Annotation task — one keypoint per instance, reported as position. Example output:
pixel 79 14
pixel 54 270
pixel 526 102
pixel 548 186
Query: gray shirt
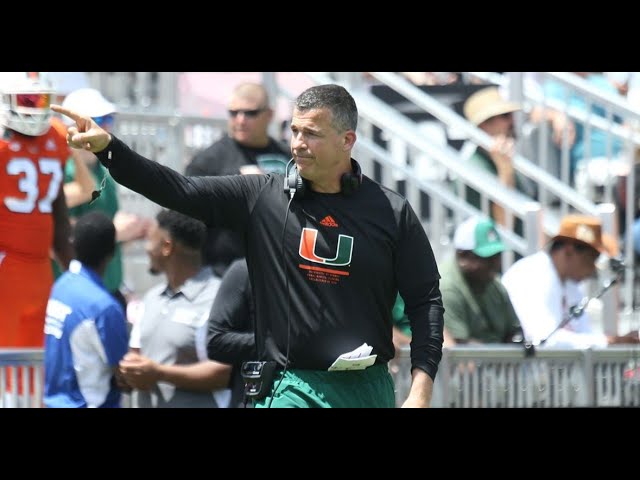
pixel 172 331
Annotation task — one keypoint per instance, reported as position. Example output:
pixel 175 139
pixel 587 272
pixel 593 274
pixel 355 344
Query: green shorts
pixel 368 388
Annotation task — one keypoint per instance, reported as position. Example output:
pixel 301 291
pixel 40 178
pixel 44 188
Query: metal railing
pixel 21 378
pixel 503 376
pixel 154 91
pixel 489 376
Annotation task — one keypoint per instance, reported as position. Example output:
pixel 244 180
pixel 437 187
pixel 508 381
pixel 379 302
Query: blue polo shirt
pixel 85 338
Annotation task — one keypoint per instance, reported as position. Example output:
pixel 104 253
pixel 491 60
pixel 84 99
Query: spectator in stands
pixel 561 125
pixel 246 148
pixel 85 330
pixel 477 308
pixel 167 361
pixel 595 151
pixel 544 286
pixel 487 110
pixel 128 226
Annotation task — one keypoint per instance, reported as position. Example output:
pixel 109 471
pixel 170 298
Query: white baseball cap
pixel 88 101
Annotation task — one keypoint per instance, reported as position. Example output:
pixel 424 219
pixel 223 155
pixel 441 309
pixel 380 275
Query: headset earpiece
pixel 293 183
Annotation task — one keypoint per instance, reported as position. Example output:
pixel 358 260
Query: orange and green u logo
pixel 308 247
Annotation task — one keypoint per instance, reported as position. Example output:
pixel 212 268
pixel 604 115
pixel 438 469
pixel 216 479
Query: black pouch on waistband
pixel 257 377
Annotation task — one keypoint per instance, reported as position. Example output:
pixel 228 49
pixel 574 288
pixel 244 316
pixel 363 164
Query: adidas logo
pixel 328 221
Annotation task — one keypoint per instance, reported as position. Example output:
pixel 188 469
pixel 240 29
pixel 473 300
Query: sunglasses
pixel 104 121
pixel 247 113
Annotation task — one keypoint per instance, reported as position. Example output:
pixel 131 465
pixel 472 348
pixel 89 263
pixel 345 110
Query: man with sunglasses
pixel 245 148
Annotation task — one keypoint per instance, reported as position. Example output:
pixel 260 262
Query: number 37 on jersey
pixel 38 183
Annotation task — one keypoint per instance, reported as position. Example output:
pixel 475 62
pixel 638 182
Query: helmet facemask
pixel 26 108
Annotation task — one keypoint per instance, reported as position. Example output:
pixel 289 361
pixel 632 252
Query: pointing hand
pixel 85 134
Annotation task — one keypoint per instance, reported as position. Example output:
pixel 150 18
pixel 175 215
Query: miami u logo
pixel 308 249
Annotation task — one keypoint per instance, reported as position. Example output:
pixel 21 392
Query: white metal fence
pixel 495 376
pixel 505 376
pixel 21 378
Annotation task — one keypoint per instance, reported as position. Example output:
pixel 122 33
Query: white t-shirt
pixel 541 301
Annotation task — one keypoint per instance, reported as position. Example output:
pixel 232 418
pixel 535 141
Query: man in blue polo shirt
pixel 85 328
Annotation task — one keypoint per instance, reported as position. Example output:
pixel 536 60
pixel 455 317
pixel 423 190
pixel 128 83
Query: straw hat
pixel 485 104
pixel 587 230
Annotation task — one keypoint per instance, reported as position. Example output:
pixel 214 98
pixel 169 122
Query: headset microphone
pixel 616 264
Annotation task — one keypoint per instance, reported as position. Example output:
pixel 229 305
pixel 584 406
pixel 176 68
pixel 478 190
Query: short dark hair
pixel 183 229
pixel 335 98
pixel 94 238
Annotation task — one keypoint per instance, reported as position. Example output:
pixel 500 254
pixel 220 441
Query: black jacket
pixel 325 281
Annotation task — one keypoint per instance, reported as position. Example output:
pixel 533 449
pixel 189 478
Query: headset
pixel 296 186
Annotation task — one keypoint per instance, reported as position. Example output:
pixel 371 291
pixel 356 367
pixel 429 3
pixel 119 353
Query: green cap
pixel 480 236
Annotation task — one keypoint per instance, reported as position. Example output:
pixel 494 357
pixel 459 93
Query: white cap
pixel 89 101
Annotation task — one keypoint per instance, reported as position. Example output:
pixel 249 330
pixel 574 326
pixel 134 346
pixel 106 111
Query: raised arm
pixel 219 201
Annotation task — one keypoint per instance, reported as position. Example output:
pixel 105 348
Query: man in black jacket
pixel 232 325
pixel 326 256
pixel 246 148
